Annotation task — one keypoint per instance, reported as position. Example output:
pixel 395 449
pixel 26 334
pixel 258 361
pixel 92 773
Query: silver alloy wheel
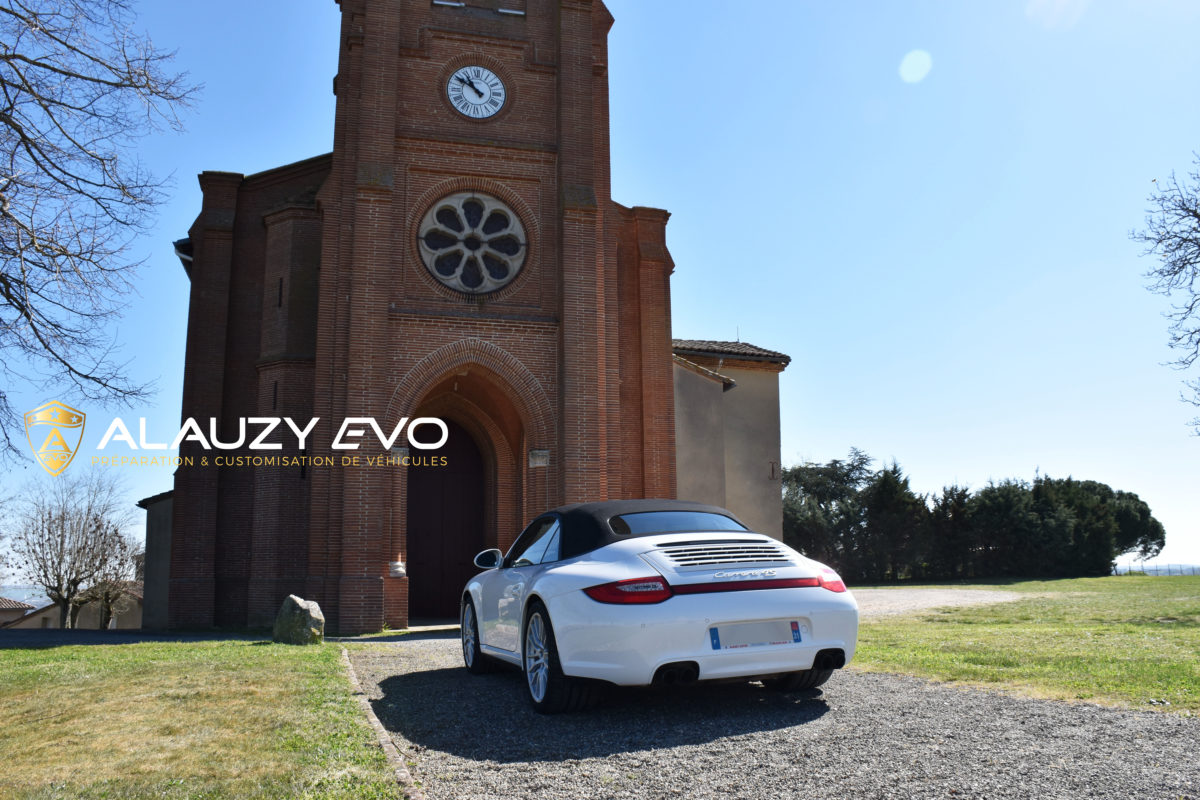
pixel 537 658
pixel 468 634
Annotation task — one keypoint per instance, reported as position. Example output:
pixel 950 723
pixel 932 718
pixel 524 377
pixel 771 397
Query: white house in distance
pixel 11 610
pixel 89 616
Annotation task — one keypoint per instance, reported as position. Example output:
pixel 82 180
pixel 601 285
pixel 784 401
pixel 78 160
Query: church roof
pixel 146 502
pixel 738 350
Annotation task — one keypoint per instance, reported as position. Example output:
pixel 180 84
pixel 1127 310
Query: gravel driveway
pixel 886 602
pixel 864 735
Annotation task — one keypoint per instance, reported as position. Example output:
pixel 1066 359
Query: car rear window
pixel 671 522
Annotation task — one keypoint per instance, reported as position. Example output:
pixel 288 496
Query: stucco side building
pixel 127 614
pixel 727 429
pixel 458 255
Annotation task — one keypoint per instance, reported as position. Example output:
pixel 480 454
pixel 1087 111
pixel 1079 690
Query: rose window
pixel 472 242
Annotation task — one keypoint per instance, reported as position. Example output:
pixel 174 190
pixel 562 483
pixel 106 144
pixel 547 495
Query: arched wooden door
pixel 445 526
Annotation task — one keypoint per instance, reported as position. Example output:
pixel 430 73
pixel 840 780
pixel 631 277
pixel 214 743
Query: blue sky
pixel 947 260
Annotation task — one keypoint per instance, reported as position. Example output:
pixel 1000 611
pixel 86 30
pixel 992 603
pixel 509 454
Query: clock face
pixel 476 92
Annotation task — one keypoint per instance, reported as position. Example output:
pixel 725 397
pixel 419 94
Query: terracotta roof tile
pixel 742 350
pixel 10 605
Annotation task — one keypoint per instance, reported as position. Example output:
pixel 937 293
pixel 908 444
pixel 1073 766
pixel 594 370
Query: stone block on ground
pixel 299 621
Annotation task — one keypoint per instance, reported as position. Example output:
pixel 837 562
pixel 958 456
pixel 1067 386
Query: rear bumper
pixel 626 645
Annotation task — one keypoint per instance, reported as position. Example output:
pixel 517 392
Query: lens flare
pixel 915 66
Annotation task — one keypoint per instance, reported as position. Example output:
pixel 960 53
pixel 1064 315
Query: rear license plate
pixel 754 634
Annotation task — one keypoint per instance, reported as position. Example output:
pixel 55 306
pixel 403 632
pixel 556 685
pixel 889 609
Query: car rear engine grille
pixel 699 555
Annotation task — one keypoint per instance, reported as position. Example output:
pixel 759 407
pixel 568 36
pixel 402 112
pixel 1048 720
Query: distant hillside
pixel 1159 569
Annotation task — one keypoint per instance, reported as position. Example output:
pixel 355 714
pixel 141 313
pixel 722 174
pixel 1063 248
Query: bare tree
pixel 78 88
pixel 1172 234
pixel 114 580
pixel 3 549
pixel 6 563
pixel 67 536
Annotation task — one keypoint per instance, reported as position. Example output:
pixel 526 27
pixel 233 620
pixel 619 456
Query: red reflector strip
pixel 742 586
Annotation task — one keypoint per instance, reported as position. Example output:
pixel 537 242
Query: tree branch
pixel 78 89
pixel 1172 236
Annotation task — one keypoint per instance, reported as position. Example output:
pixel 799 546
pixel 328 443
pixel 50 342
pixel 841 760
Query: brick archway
pixel 515 387
pixel 491 396
pixel 517 381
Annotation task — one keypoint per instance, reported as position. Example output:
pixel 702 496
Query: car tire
pixel 549 690
pixel 474 659
pixel 799 681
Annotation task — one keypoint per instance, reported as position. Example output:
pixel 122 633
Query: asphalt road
pixel 864 735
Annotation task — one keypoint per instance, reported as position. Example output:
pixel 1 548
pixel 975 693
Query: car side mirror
pixel 489 559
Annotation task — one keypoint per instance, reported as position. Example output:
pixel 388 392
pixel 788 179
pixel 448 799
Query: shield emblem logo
pixel 54 431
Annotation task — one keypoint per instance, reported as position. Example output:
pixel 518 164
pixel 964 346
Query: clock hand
pixel 471 83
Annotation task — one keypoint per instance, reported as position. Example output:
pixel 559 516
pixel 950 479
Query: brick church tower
pixel 457 255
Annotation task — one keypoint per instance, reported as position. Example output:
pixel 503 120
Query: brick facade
pixel 309 299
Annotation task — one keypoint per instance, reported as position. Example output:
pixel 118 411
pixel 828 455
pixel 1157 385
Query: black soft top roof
pixel 585 526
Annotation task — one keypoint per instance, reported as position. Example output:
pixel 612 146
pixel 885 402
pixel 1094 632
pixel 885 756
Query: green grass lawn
pixel 241 719
pixel 1129 641
pixel 230 719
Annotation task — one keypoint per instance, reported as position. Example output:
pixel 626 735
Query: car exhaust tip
pixel 830 659
pixel 677 673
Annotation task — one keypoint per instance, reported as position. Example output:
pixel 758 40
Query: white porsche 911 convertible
pixel 639 592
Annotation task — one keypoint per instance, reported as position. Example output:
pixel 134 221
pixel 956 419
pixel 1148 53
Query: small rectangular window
pixel 552 548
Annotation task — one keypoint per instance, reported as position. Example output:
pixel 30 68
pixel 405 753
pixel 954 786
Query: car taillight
pixel 633 590
pixel 830 580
